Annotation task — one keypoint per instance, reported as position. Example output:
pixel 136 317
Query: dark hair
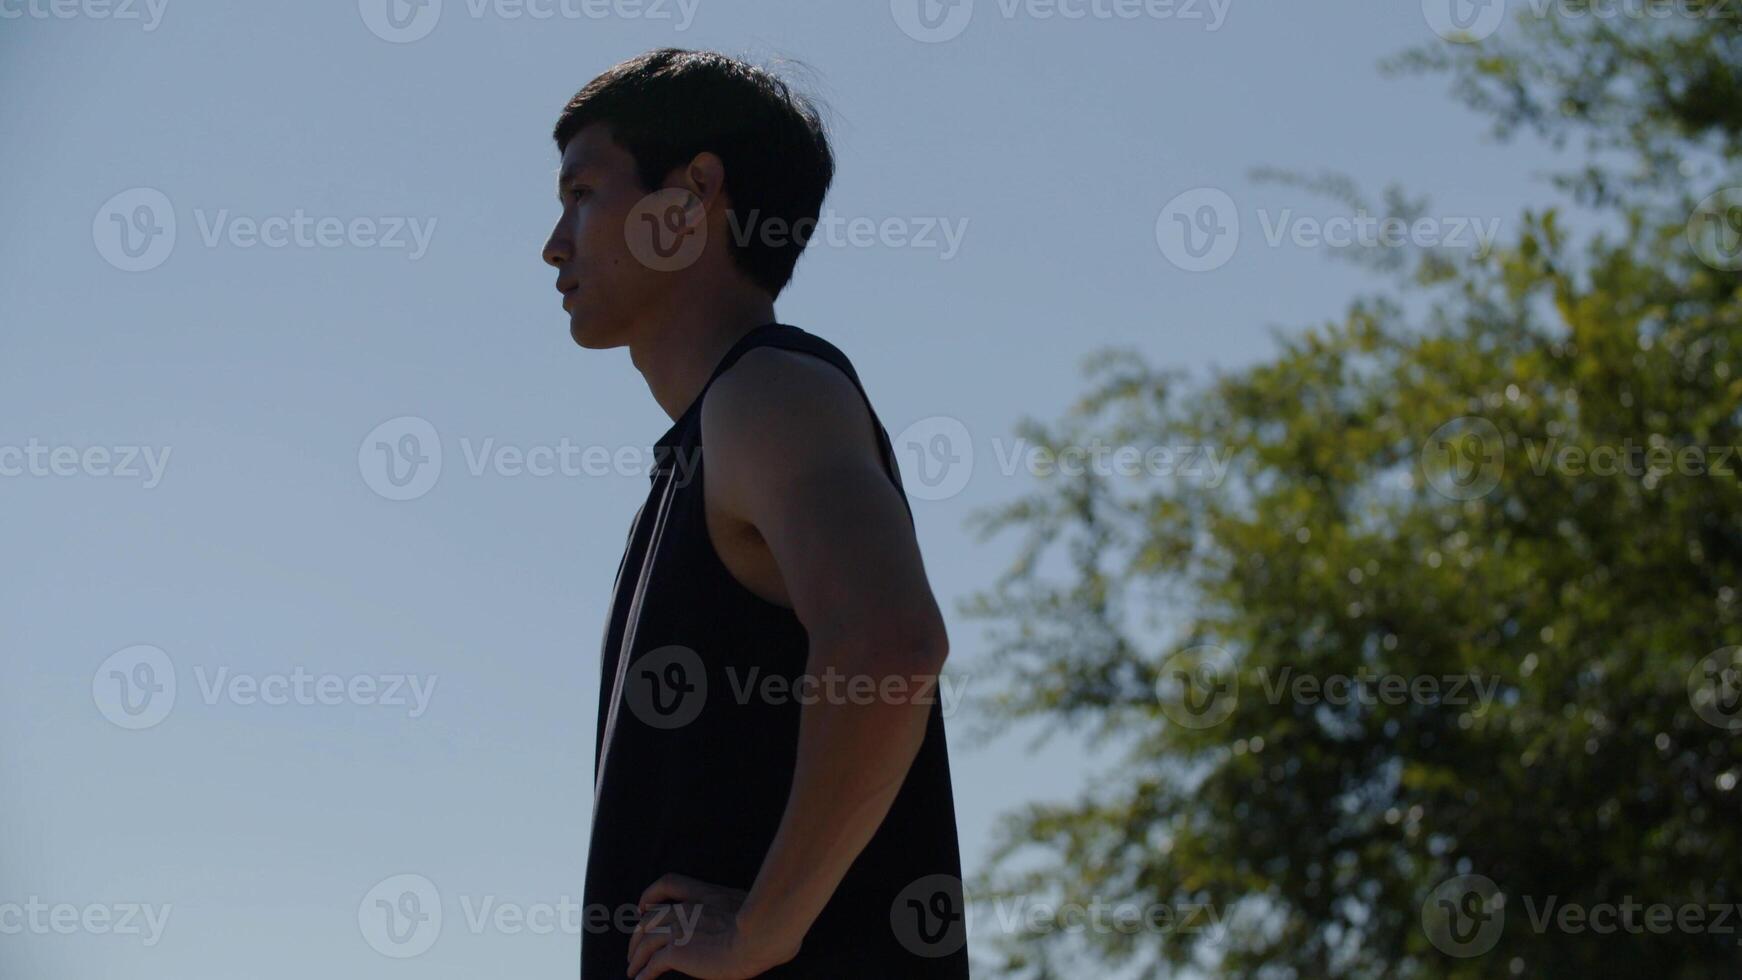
pixel 666 106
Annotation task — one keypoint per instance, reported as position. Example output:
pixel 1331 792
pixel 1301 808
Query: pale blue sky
pixel 1050 146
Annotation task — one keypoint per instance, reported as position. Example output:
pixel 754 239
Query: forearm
pixel 854 752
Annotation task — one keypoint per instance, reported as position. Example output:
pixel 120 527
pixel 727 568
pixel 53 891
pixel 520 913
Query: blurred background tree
pixel 1400 503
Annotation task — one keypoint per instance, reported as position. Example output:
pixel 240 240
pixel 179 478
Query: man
pixel 772 788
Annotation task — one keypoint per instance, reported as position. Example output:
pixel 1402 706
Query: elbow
pixel 926 651
pixel 937 651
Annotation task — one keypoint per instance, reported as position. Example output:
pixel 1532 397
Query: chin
pixel 592 333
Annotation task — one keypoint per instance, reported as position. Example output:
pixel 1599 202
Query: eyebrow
pixel 568 176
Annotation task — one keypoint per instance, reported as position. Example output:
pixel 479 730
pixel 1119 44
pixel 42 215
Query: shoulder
pixel 784 393
pixel 778 411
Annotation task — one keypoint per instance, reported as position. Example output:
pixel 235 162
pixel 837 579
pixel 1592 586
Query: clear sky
pixel 191 489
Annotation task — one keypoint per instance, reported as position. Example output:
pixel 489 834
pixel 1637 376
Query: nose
pixel 556 248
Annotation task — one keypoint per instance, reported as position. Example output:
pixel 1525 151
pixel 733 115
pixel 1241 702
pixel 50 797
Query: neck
pixel 677 350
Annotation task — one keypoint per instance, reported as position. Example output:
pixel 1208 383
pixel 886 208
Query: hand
pixel 693 927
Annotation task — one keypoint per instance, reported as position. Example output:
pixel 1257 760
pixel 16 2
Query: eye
pixel 575 192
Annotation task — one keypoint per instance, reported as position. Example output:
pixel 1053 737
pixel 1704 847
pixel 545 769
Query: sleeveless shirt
pixel 693 763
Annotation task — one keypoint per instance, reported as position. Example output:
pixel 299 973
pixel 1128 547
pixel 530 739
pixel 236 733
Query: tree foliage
pixel 1496 493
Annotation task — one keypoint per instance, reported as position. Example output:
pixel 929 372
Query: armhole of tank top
pixel 885 452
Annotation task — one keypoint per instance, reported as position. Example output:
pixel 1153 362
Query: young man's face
pixel 605 287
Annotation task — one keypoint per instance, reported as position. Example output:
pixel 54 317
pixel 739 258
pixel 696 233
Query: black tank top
pixel 693 764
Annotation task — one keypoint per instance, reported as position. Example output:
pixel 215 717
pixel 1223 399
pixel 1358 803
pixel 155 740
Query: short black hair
pixel 668 105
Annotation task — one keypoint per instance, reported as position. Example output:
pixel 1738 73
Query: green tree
pixel 1654 96
pixel 1522 491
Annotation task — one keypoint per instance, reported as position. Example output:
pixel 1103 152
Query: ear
pixel 705 177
